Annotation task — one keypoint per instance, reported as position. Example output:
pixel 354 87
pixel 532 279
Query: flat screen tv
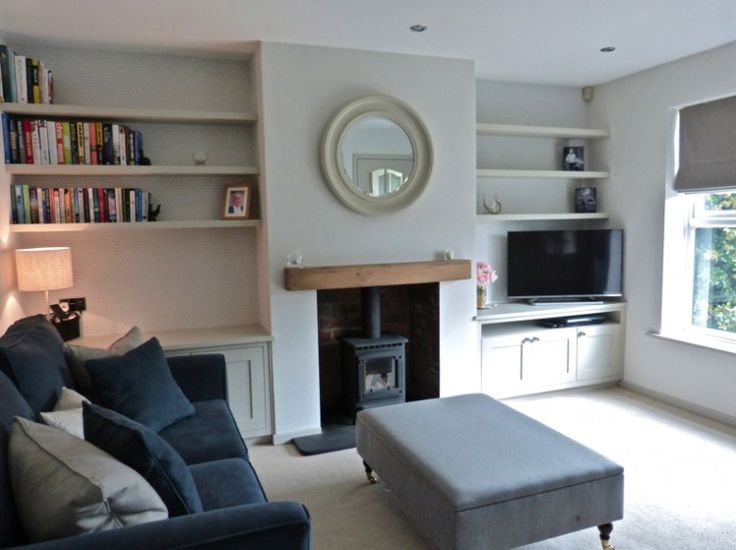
pixel 560 265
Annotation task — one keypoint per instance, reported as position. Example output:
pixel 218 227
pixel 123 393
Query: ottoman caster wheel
pixel 372 479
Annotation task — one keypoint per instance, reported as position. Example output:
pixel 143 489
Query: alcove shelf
pixel 127 170
pixel 120 114
pixel 542 174
pixel 511 130
pixel 127 226
pixel 558 216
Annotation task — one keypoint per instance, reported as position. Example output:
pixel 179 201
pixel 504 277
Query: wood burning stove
pixel 373 365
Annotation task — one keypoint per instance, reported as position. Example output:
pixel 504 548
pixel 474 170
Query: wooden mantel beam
pixel 355 276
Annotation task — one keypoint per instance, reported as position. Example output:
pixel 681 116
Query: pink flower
pixel 485 274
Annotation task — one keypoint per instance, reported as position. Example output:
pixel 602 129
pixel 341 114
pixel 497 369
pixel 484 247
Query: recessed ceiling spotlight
pixel 418 28
pixel 608 49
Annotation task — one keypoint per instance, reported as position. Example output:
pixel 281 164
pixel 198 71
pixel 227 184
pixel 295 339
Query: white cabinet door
pixel 548 357
pixel 599 352
pixel 249 389
pixel 501 365
pixel 248 385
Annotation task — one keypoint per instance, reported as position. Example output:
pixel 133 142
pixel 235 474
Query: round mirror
pixel 376 155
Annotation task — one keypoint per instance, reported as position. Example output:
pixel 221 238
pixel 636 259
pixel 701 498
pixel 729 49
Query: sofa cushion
pixel 31 356
pixel 67 413
pixel 65 486
pixel 210 434
pixel 226 483
pixel 139 385
pixel 12 404
pixel 143 450
pixel 77 356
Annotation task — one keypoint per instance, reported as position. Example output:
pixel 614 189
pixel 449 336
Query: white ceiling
pixel 541 41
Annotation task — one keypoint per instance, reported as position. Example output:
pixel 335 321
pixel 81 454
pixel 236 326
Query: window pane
pixel 714 284
pixel 720 201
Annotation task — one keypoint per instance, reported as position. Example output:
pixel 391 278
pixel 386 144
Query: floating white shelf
pixel 491 218
pixel 512 130
pixel 123 226
pixel 126 170
pixel 542 174
pixel 114 114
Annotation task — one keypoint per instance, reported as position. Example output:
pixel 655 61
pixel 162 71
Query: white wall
pixel 302 86
pixel 535 105
pixel 638 111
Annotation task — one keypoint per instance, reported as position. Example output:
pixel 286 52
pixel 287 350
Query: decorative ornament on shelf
pixel 485 276
pixel 494 207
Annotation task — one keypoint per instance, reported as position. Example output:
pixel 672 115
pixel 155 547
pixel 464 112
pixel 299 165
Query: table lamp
pixel 44 269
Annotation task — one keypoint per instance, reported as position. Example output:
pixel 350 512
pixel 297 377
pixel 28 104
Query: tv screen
pixel 565 264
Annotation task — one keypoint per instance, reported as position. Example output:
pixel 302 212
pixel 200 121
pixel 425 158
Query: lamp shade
pixel 44 268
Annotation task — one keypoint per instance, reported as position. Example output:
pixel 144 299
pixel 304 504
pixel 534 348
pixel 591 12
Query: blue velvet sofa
pixel 236 512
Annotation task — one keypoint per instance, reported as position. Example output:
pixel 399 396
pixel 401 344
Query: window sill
pixel 698 340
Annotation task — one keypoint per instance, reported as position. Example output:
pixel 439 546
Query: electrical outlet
pixel 75 304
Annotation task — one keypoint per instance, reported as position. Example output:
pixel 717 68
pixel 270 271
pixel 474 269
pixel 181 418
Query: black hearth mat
pixel 338 434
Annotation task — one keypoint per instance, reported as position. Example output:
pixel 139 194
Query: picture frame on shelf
pixel 573 158
pixel 585 200
pixel 237 201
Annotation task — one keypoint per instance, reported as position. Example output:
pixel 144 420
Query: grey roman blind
pixel 707 147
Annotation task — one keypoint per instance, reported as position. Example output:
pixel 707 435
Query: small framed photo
pixel 585 200
pixel 237 202
pixel 573 158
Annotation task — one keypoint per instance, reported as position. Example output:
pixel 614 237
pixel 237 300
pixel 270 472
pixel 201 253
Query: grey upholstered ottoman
pixel 475 474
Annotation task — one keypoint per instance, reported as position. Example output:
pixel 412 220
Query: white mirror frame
pixel 331 154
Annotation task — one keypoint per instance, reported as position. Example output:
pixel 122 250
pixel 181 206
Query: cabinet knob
pixel 530 340
pixel 581 333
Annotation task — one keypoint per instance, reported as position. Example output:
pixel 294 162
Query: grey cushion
pixel 67 413
pixel 139 385
pixel 65 486
pixel 76 356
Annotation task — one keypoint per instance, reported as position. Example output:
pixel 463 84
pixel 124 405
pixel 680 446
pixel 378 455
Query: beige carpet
pixel 680 472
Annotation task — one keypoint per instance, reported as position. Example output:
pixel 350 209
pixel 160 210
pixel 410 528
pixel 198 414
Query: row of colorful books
pixel 29 141
pixel 78 204
pixel 24 79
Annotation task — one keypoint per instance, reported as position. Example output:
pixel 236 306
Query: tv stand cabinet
pixel 519 357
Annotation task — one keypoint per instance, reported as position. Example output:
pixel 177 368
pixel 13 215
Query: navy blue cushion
pixel 12 404
pixel 143 450
pixel 226 483
pixel 139 385
pixel 211 434
pixel 31 356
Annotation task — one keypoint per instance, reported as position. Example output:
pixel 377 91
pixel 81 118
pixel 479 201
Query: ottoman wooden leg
pixel 372 479
pixel 605 532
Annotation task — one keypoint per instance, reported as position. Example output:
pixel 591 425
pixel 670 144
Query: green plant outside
pixel 714 284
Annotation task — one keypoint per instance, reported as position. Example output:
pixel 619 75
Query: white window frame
pixel 683 214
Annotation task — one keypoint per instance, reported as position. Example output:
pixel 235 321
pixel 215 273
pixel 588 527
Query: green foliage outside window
pixel 714 285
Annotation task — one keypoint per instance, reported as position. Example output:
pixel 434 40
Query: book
pixel 92 128
pixel 35 80
pixel 26 203
pixel 137 147
pixel 28 141
pixel 14 152
pixel 81 159
pixel 50 79
pixel 67 141
pixel 123 140
pixel 33 201
pixel 43 138
pixel 21 78
pixel 131 147
pixel 5 70
pixel 115 143
pixel 20 209
pixel 102 205
pixel 57 206
pixel 98 141
pixel 73 144
pixel 68 216
pixel 107 152
pixel 35 142
pixel 51 140
pixel 6 138
pixel 13 206
pixel 59 141
pixel 2 93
